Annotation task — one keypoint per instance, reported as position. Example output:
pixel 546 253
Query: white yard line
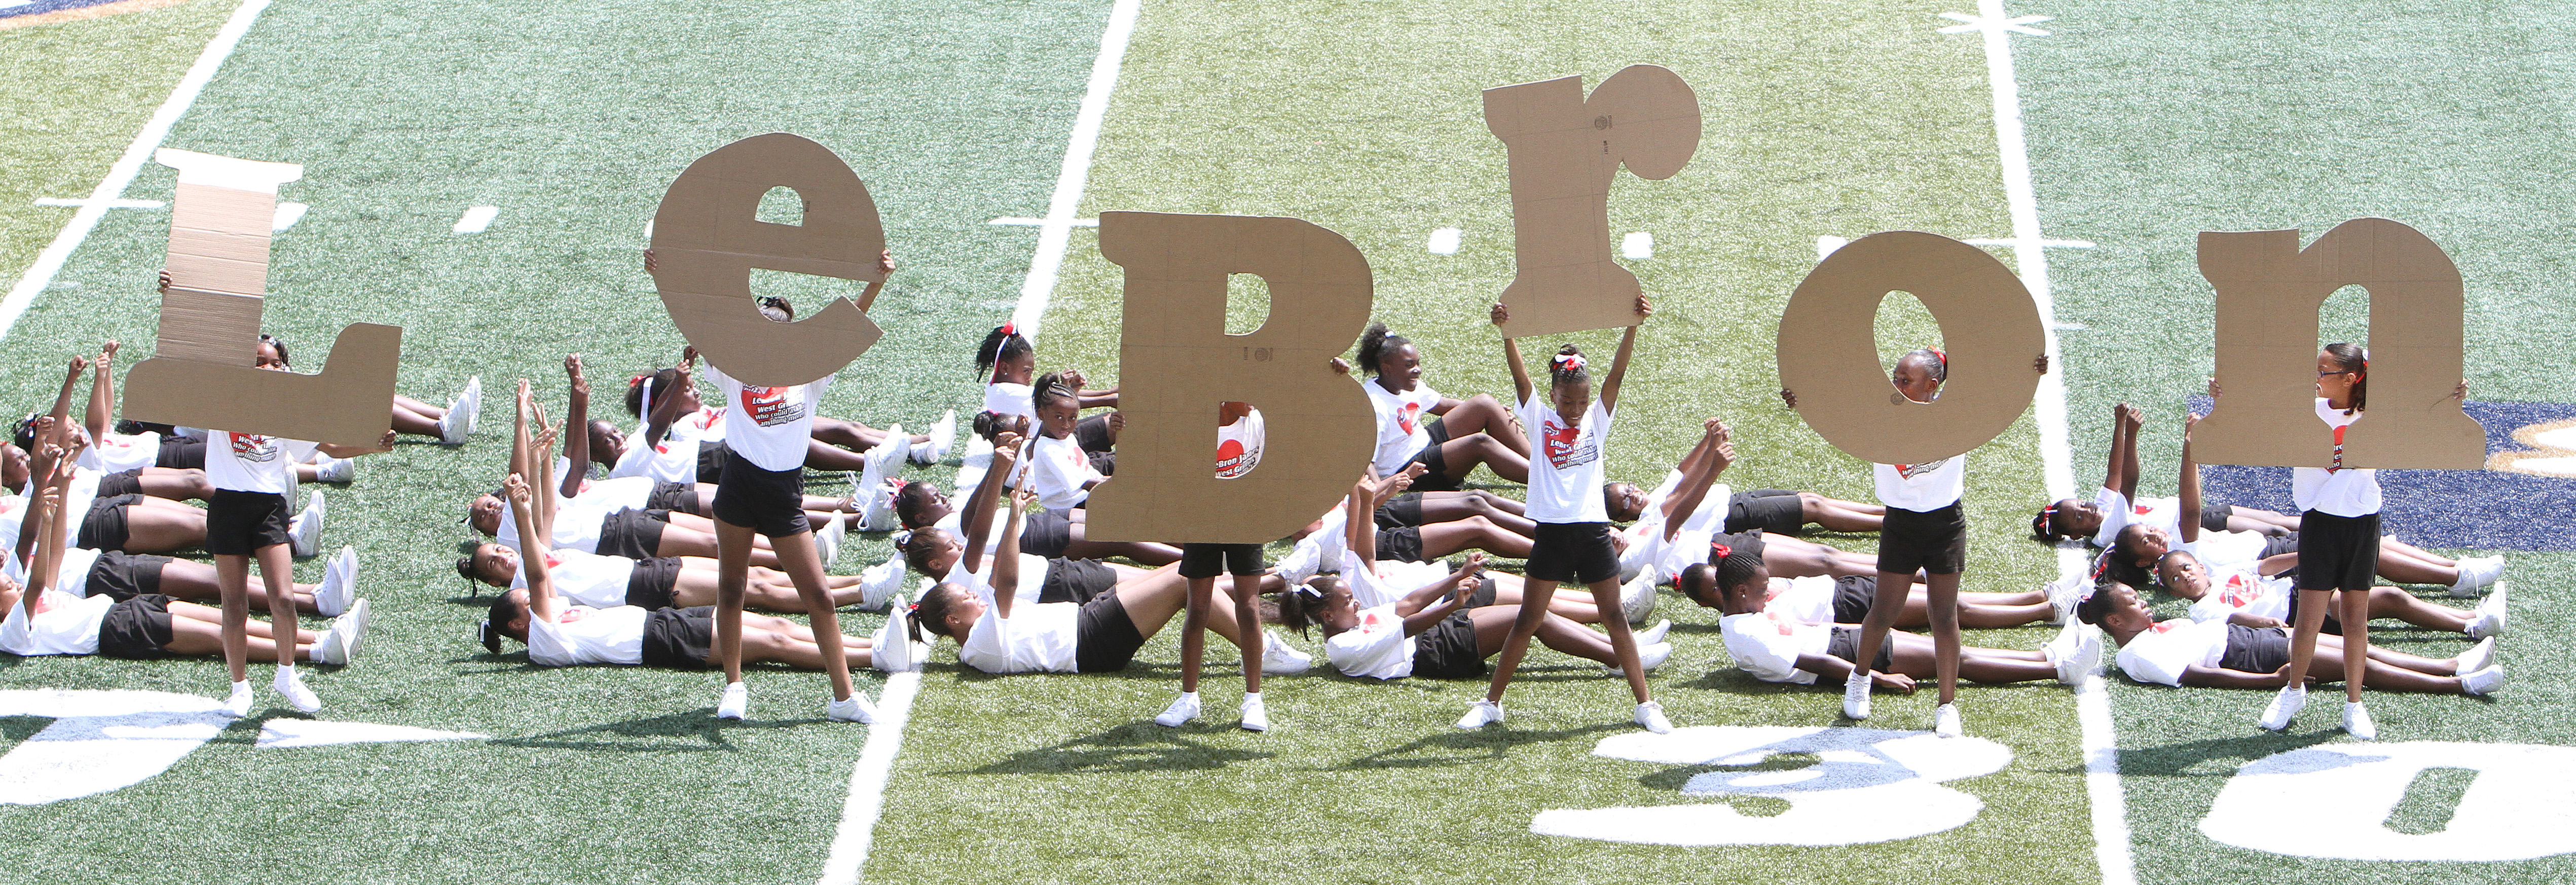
pixel 50 261
pixel 868 777
pixel 2092 700
pixel 1057 228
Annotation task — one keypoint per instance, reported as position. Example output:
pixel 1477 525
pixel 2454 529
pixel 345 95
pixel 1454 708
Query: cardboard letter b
pixel 1176 364
pixel 707 238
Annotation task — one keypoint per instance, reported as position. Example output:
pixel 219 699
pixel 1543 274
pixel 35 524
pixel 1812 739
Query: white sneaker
pixel 2356 722
pixel 2476 572
pixel 1637 598
pixel 2478 657
pixel 827 542
pixel 237 705
pixel 735 703
pixel 943 433
pixel 1256 715
pixel 1481 714
pixel 1183 709
pixel 2063 595
pixel 2284 706
pixel 340 641
pixel 879 583
pixel 1856 696
pixel 876 509
pixel 1649 656
pixel 473 401
pixel 1945 721
pixel 339 584
pixel 2492 614
pixel 2482 680
pixel 1302 562
pixel 857 709
pixel 330 469
pixel 304 535
pixel 1278 658
pixel 1654 634
pixel 290 683
pixel 1651 716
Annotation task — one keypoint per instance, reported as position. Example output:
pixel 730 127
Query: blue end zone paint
pixel 2473 509
pixel 40 7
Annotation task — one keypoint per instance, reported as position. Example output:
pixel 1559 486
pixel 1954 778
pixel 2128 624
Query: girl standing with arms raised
pixel 1569 438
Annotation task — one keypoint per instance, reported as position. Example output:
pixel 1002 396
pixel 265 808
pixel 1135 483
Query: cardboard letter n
pixel 1564 151
pixel 201 373
pixel 2269 292
pixel 707 237
pixel 1176 364
pixel 1828 355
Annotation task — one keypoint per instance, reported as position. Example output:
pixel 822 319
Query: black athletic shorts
pixel 1210 560
pixel 1936 542
pixel 683 497
pixel 1572 553
pixel 104 526
pixel 1448 650
pixel 654 583
pixel 137 628
pixel 1046 533
pixel 2280 544
pixel 1846 644
pixel 1435 473
pixel 182 452
pixel 1747 543
pixel 1104 637
pixel 632 533
pixel 2255 649
pixel 2333 625
pixel 1400 544
pixel 1484 595
pixel 711 460
pixel 1402 511
pixel 122 482
pixel 2338 552
pixel 237 523
pixel 771 502
pixel 2213 516
pixel 1092 434
pixel 1852 597
pixel 1778 511
pixel 678 638
pixel 121 576
pixel 1076 580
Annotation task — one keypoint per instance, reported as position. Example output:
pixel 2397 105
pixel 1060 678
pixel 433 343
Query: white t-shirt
pixel 67 626
pixel 77 498
pixel 1386 580
pixel 1036 638
pixel 1007 398
pixel 584 578
pixel 2219 550
pixel 72 577
pixel 578 523
pixel 2240 589
pixel 1565 472
pixel 1400 419
pixel 2162 652
pixel 249 462
pixel 118 452
pixel 1808 600
pixel 1033 571
pixel 2346 491
pixel 1769 649
pixel 1238 446
pixel 1058 469
pixel 1376 649
pixel 584 635
pixel 674 459
pixel 1922 488
pixel 776 422
pixel 2118 512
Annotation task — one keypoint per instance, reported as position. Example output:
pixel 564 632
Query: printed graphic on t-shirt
pixel 253 447
pixel 2163 626
pixel 771 406
pixel 1406 417
pixel 575 613
pixel 2338 451
pixel 1229 460
pixel 2240 591
pixel 1566 446
pixel 1910 471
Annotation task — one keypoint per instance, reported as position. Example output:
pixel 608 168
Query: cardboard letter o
pixel 1176 364
pixel 707 238
pixel 1829 358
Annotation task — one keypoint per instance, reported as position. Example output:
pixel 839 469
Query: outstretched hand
pixel 2461 392
pixel 1502 313
pixel 1895 682
pixel 572 367
pixel 1789 396
pixel 2040 364
pixel 1647 309
pixel 515 488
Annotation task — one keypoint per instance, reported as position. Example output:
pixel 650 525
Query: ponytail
pixel 1302 605
pixel 918 547
pixel 1003 343
pixel 1568 367
pixel 1050 387
pixel 2351 358
pixel 930 615
pixel 1375 344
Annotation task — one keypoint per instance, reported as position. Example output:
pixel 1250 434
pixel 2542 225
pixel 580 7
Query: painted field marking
pixel 287 215
pixel 477 219
pixel 866 802
pixel 112 204
pixel 1637 245
pixel 2030 256
pixel 50 261
pixel 1444 241
pixel 1017 221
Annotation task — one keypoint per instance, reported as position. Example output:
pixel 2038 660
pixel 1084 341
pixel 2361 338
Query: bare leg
pixel 213 618
pixel 1494 626
pixel 1442 539
pixel 183 579
pixel 414 423
pixel 733 568
pixel 1194 631
pixel 2276 519
pixel 2391 602
pixel 805 568
pixel 779 647
pixel 1838 515
pixel 2354 611
pixel 1461 454
pixel 1941 602
pixel 2388 545
pixel 194 638
pixel 2405 565
pixel 1572 608
pixel 1438 507
pixel 1623 641
pixel 2310 623
pixel 821 455
pixel 1146 552
pixel 1247 628
pixel 1483 414
pixel 421 408
pixel 154 530
pixel 175 483
pixel 1885 605
pixel 1535 595
pixel 1790 557
pixel 233 570
pixel 1919 656
pixel 277 570
pixel 678 541
pixel 2331 664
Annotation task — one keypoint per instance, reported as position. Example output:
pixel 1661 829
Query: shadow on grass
pixel 1134 747
pixel 2189 758
pixel 692 731
pixel 1454 747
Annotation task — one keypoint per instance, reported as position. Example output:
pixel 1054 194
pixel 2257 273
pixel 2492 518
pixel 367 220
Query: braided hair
pixel 1568 367
pixel 931 613
pixel 1003 343
pixel 1375 344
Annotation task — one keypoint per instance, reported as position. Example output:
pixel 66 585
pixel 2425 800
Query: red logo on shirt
pixel 1405 417
pixel 253 447
pixel 771 406
pixel 2239 592
pixel 1566 446
pixel 1910 471
pixel 1229 459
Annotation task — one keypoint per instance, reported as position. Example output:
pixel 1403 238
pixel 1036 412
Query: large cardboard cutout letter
pixel 1829 359
pixel 1564 152
pixel 706 240
pixel 201 372
pixel 2269 291
pixel 1176 363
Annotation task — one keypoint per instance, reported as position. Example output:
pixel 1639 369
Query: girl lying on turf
pixel 2228 654
pixel 998 633
pixel 1416 425
pixel 1445 630
pixel 920 505
pixel 1372 580
pixel 1846 600
pixel 1773 511
pixel 1777 648
pixel 602 581
pixel 561 633
pixel 2099 521
pixel 2219 594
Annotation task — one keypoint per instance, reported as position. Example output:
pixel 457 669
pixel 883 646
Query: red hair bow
pixel 1718 552
pixel 1567 362
pixel 1010 328
pixel 1937 354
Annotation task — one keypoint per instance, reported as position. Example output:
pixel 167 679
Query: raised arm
pixel 577 427
pixel 62 411
pixel 1696 483
pixel 1424 608
pixel 2125 420
pixel 885 265
pixel 102 394
pixel 532 559
pixel 43 514
pixel 1619 363
pixel 1512 355
pixel 2189 514
pixel 978 518
pixel 1006 570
